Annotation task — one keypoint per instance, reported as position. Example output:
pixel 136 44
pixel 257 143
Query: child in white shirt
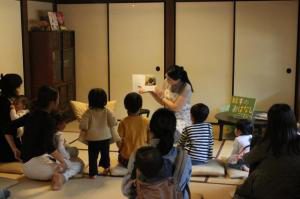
pixel 241 145
pixel 69 153
pixel 18 109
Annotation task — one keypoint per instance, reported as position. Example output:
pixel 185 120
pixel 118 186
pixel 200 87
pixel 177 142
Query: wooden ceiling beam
pixel 104 1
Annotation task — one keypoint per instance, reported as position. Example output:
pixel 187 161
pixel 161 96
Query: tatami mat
pixel 212 191
pixel 7 182
pixel 226 150
pixel 70 137
pixel 113 147
pixel 216 148
pixel 101 187
pixel 72 126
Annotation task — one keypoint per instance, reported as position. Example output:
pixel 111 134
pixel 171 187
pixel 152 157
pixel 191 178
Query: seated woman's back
pixel 275 177
pixel 276 159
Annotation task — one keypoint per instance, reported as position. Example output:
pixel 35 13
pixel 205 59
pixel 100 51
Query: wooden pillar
pixel 54 5
pixel 170 15
pixel 297 88
pixel 25 47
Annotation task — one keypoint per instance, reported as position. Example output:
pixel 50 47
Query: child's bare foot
pixel 57 181
pixel 106 172
pixel 92 177
pixel 245 168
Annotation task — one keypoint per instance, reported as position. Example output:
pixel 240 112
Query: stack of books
pixel 261 116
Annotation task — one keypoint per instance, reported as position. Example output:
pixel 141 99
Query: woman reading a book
pixel 176 95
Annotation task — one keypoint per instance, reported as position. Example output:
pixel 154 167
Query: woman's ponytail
pixel 163 127
pixel 186 79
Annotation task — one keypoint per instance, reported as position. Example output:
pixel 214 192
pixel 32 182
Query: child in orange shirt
pixel 133 129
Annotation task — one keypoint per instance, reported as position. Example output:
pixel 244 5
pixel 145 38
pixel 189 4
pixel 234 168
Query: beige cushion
pixel 11 167
pixel 119 171
pixel 80 107
pixel 212 168
pixel 235 173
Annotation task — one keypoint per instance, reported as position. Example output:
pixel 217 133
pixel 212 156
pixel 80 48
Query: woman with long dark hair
pixel 176 95
pixel 41 160
pixel 277 159
pixel 9 86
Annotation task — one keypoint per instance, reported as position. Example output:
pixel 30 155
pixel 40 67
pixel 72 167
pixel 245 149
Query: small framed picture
pixel 53 21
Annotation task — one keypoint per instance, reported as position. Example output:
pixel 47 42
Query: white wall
pixel 11 38
pixel 34 7
pixel 89 21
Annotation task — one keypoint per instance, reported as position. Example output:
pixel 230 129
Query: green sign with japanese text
pixel 242 107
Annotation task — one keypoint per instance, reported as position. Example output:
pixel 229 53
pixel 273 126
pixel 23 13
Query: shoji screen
pixel 204 33
pixel 266 42
pixel 136 37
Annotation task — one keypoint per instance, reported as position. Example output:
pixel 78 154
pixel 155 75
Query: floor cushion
pixel 235 173
pixel 11 167
pixel 119 171
pixel 80 107
pixel 212 168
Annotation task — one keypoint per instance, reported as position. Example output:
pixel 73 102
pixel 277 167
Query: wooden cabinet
pixel 52 62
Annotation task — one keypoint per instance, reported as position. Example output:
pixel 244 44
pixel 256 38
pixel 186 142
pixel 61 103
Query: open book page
pixel 145 82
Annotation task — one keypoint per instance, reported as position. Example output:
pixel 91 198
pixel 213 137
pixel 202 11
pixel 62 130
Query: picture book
pixel 145 82
pixel 53 21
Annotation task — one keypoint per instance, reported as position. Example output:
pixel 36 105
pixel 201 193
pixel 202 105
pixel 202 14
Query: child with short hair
pixel 151 168
pixel 18 109
pixel 98 123
pixel 133 129
pixel 241 145
pixel 197 139
pixel 150 165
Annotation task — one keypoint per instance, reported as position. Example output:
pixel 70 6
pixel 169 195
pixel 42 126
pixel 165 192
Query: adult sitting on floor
pixel 9 85
pixel 41 160
pixel 277 159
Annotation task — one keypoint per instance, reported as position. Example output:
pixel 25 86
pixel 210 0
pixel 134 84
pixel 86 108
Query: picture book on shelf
pixel 144 82
pixel 61 20
pixel 53 21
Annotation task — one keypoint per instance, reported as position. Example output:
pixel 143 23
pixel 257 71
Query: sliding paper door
pixel 204 47
pixel 136 46
pixel 265 54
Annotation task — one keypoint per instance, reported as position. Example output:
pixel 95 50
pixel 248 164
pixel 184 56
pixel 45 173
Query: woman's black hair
pixel 97 98
pixel 46 94
pixel 282 130
pixel 9 84
pixel 176 72
pixel 133 102
pixel 163 127
pixel 245 126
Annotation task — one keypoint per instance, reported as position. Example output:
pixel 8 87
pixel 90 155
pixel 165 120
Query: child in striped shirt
pixel 197 139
